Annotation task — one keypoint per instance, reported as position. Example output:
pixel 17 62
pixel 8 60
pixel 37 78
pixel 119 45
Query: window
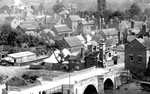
pixel 130 57
pixel 139 57
pixel 109 54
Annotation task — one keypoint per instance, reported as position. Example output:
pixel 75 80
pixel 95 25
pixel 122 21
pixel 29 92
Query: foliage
pixel 58 7
pixel 16 81
pixel 147 12
pixel 134 10
pixel 41 7
pixel 30 78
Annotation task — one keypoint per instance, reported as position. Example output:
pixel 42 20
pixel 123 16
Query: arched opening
pixel 108 84
pixel 90 89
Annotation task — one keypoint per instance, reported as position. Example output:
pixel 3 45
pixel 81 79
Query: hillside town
pixel 40 50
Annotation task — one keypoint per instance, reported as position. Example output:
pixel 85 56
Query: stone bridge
pixel 92 85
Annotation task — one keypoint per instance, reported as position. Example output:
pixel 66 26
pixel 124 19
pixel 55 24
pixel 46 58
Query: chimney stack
pixel 87 18
pixel 111 21
pixel 132 24
pixel 144 28
pixel 99 23
pixel 82 52
pixel 103 20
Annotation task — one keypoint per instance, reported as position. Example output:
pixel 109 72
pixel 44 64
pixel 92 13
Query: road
pixel 76 76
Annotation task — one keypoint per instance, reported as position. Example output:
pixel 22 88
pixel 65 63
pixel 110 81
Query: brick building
pixel 137 56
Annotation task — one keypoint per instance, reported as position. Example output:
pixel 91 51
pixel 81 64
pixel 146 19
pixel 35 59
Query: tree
pixel 5 31
pixel 119 15
pixel 41 7
pixel 58 7
pixel 134 10
pixel 147 12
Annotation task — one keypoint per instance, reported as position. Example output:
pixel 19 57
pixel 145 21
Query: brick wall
pixel 135 48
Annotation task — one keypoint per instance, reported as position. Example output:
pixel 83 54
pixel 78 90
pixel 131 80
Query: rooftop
pixel 62 28
pixel 74 18
pixel 21 54
pixel 73 41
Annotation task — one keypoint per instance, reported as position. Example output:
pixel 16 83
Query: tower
pixel 101 4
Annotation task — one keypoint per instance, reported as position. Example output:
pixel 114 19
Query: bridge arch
pixel 108 84
pixel 90 89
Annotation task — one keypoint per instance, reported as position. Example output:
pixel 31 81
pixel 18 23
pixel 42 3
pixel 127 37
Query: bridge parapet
pixel 73 74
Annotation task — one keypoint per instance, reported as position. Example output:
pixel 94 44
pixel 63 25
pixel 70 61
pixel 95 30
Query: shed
pixel 22 57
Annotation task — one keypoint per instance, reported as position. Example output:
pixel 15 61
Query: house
pixel 87 58
pixel 109 44
pixel 108 33
pixel 73 43
pixel 12 21
pixel 137 56
pixel 85 27
pixel 62 30
pixel 21 58
pixel 72 22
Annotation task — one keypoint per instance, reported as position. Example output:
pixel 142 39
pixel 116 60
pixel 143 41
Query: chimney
pixel 82 52
pixel 145 19
pixel 99 23
pixel 87 18
pixel 90 47
pixel 144 28
pixel 132 24
pixel 103 20
pixel 119 40
pixel 111 21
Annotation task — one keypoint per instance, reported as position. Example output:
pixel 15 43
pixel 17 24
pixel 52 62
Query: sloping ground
pixel 12 71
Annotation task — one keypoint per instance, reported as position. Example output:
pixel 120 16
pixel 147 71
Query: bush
pixel 16 81
pixel 30 78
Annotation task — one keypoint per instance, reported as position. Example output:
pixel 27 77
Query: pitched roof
pixel 146 42
pixel 130 38
pixel 111 41
pixel 62 28
pixel 28 26
pixel 8 20
pixel 73 41
pixel 135 30
pixel 101 33
pixel 74 17
pixel 110 31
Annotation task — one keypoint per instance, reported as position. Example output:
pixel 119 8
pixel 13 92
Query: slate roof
pixel 74 17
pixel 130 38
pixel 28 26
pixel 146 43
pixel 62 28
pixel 135 30
pixel 111 41
pixel 101 33
pixel 73 41
pixel 110 31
